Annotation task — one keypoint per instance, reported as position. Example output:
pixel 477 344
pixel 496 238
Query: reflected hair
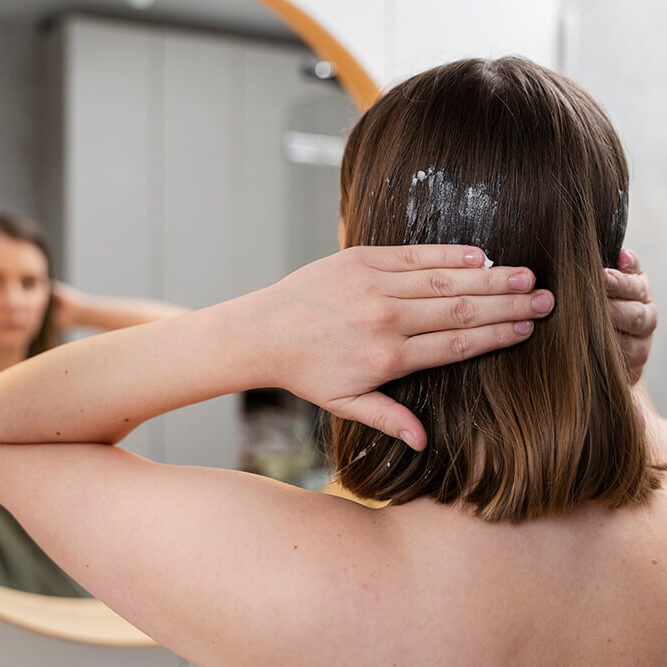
pixel 21 228
pixel 516 159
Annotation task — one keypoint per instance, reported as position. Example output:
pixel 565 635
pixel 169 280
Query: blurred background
pixel 188 151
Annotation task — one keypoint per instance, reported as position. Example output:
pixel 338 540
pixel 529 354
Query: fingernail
pixel 625 260
pixel 523 328
pixel 542 303
pixel 519 281
pixel 473 258
pixel 408 439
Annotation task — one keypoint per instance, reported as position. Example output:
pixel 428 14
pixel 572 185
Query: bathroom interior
pixel 189 151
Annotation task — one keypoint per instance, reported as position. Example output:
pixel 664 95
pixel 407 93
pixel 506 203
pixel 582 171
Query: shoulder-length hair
pixel 520 161
pixel 21 228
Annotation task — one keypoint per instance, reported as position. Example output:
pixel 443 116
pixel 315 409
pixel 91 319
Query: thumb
pixel 382 413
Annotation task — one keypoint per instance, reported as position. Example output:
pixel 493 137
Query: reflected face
pixel 24 291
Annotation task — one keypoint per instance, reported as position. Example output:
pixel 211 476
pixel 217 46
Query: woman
pixel 35 312
pixel 225 567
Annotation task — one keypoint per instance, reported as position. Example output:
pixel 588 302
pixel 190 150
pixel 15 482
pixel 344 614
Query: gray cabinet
pixel 169 150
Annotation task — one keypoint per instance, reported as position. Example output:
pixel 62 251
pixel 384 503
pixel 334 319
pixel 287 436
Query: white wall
pixel 431 32
pixel 615 48
pixel 394 39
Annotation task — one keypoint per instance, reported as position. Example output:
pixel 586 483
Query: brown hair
pixel 22 228
pixel 520 161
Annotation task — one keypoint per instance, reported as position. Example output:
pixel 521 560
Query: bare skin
pixel 225 567
pixel 75 308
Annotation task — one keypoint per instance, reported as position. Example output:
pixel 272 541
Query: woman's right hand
pixel 345 325
pixel 633 312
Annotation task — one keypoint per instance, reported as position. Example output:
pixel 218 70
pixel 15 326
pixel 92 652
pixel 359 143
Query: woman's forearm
pixel 116 313
pixel 332 333
pixel 100 388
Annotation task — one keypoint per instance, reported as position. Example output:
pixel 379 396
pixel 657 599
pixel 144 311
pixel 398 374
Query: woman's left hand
pixel 633 312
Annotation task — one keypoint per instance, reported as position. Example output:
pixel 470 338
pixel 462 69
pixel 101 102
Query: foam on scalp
pixel 619 219
pixel 442 210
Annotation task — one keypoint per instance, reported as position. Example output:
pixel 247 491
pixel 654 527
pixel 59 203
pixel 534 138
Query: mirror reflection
pixel 171 167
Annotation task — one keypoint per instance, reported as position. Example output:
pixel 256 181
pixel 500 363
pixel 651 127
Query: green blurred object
pixel 25 567
pixel 281 439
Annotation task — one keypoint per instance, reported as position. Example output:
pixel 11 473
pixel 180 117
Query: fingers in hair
pixel 633 317
pixel 447 347
pixel 418 316
pixel 416 257
pixel 631 287
pixel 427 283
pixel 384 414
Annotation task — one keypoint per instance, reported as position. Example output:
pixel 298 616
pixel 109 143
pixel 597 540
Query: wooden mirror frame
pixel 353 77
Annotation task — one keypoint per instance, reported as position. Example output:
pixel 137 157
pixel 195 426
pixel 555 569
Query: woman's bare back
pixel 587 589
pixel 228 568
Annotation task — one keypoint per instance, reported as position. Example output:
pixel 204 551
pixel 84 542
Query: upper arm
pixel 201 559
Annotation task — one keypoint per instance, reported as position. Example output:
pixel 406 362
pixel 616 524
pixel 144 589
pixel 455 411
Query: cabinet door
pixel 290 208
pixel 238 215
pixel 111 224
pixel 202 149
pixel 111 135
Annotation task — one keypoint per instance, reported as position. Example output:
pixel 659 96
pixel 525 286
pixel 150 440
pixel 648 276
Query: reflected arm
pixel 74 308
pixel 101 388
pixel 116 313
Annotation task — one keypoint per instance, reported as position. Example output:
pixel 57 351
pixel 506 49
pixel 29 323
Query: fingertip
pixel 521 280
pixel 543 302
pixel 626 260
pixel 474 257
pixel 414 437
pixel 524 328
pixel 421 445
